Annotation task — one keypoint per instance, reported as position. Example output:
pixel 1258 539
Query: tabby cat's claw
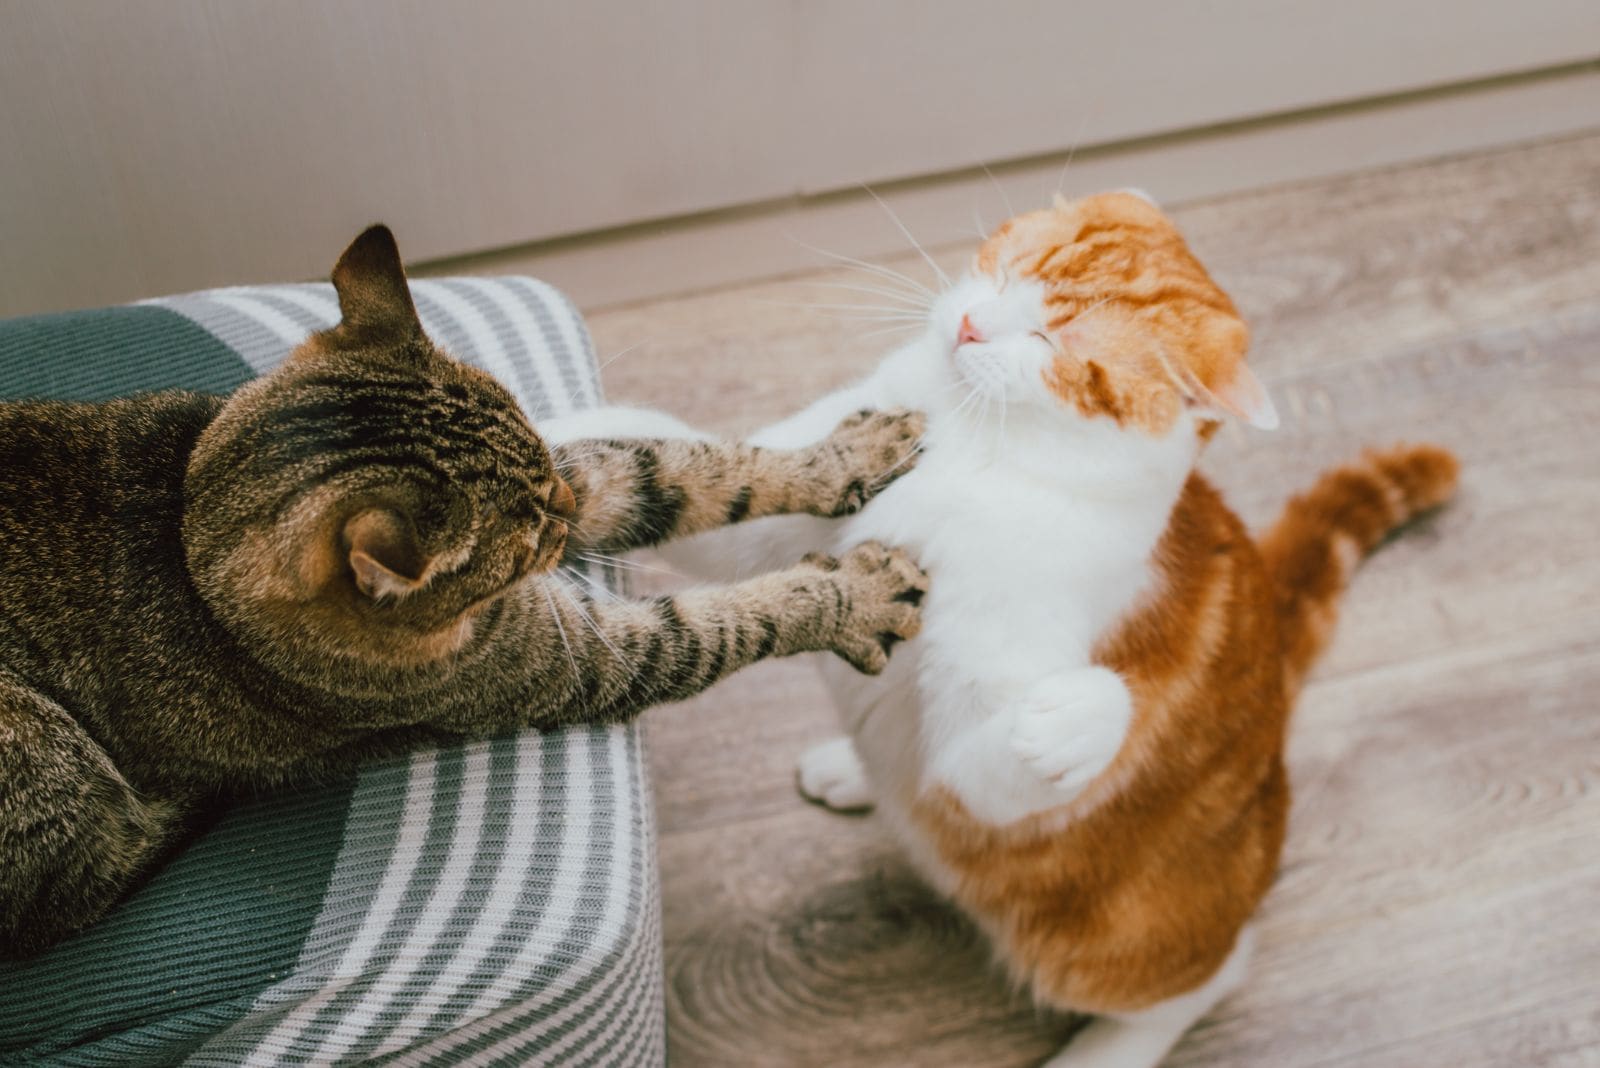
pixel 869 450
pixel 883 591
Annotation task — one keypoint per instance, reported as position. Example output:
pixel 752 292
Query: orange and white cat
pixel 1084 747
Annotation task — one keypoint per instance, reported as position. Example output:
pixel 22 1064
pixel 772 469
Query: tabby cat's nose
pixel 968 332
pixel 562 501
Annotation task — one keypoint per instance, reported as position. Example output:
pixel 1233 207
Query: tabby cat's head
pixel 371 495
pixel 1099 305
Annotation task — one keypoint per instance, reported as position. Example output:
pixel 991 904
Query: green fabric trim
pixel 167 969
pixel 110 352
pixel 159 969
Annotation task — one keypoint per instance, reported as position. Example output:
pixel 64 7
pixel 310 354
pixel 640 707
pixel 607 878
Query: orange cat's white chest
pixel 1025 575
pixel 1020 567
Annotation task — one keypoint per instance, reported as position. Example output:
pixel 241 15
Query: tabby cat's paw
pixel 868 451
pixel 883 591
pixel 830 773
pixel 1070 728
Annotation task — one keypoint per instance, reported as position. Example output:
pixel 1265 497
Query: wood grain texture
pixel 1438 897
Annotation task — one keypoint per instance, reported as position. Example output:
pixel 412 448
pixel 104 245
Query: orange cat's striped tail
pixel 1323 533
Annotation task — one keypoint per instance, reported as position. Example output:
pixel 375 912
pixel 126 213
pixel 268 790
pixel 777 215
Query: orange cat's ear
pixel 374 299
pixel 384 555
pixel 1243 398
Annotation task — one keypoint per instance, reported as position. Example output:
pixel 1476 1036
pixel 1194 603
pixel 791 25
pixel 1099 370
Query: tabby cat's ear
pixel 384 555
pixel 374 299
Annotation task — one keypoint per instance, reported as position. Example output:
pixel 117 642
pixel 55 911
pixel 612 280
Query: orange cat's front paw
pixel 830 773
pixel 1070 727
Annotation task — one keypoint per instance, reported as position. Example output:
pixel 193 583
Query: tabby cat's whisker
pixel 555 613
pixel 599 587
pixel 583 613
pixel 631 565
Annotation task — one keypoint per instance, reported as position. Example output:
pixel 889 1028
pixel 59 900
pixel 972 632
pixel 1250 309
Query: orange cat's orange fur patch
pixel 1135 892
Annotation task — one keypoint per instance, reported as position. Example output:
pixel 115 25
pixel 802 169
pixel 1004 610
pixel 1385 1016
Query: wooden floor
pixel 1439 903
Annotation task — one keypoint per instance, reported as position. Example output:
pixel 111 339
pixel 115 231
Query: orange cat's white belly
pixel 1022 582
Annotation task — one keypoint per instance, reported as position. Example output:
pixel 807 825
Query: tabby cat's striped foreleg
pixel 637 492
pixel 621 657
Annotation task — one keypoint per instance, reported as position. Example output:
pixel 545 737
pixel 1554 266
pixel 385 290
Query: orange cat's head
pixel 1099 305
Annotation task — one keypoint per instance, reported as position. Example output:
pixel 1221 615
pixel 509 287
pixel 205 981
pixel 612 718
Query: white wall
pixel 148 146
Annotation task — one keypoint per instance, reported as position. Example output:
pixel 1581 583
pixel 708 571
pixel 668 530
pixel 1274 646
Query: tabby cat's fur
pixel 347 558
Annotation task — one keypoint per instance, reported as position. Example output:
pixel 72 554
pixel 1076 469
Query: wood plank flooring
pixel 1439 902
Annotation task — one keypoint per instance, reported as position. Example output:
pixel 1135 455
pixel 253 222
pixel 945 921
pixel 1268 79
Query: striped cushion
pixel 490 903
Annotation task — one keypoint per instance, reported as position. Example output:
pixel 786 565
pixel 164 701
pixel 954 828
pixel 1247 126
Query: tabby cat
pixel 350 557
pixel 1084 748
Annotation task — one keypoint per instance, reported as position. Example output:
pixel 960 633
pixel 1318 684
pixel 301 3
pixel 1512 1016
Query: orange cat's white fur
pixel 1084 747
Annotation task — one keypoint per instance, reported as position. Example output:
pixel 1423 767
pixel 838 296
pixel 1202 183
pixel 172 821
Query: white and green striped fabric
pixel 494 903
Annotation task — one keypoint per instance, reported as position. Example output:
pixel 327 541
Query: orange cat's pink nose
pixel 968 331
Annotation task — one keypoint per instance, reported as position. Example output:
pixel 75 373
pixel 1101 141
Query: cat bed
pixel 491 903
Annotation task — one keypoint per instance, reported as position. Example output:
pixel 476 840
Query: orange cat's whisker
pixel 943 278
pixel 614 357
pixel 863 265
pixel 1005 198
pixel 867 312
pixel 918 298
pixel 887 330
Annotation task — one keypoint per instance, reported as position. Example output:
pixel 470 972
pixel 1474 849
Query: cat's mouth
pixel 976 368
pixel 544 556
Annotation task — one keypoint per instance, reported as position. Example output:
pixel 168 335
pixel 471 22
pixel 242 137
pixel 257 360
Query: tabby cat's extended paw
pixel 868 451
pixel 883 592
pixel 830 773
pixel 1070 728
